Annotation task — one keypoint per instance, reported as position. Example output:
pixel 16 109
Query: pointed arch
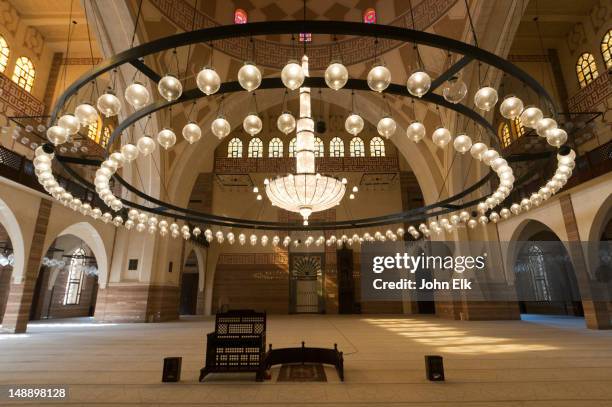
pixel 5 52
pixel 377 147
pixel 275 148
pixel 586 69
pixel 234 148
pixel 24 73
pixel 356 147
pixel 291 148
pixel 319 147
pixel 606 49
pixel 336 147
pixel 255 148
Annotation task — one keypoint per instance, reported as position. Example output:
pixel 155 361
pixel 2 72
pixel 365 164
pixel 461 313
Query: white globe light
pixel 418 83
pixel 336 75
pixel 478 150
pixel 285 123
pixel 57 135
pixel 166 138
pixel 146 145
pixel 292 75
pixel 462 143
pixel 386 127
pixel 511 107
pixel 543 125
pixel 252 124
pixel 170 88
pixel 485 98
pixel 86 114
pixel 249 77
pixel 441 137
pixel 379 78
pixel 109 104
pixel 556 137
pixel 192 132
pixel 455 90
pixel 567 159
pixel 118 158
pixel 220 127
pixel 208 81
pixel 415 131
pixel 70 123
pixel 489 156
pixel 137 95
pixel 130 152
pixel 530 116
pixel 354 124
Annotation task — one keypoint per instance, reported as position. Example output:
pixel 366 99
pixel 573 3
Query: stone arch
pixel 13 229
pixel 92 238
pixel 602 218
pixel 196 253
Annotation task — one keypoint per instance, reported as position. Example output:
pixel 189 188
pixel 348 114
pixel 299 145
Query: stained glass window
pixel 606 49
pixel 255 148
pixel 305 37
pixel 377 147
pixel 93 131
pixel 275 148
pixel 4 53
pixel 24 73
pixel 336 147
pixel 105 137
pixel 586 69
pixel 356 147
pixel 240 16
pixel 369 16
pixel 519 129
pixel 234 148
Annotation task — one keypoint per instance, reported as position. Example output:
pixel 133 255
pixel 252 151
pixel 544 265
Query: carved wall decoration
pixel 81 61
pixel 281 258
pixel 18 99
pixel 576 37
pixel 34 41
pixel 600 14
pixel 274 55
pixel 9 18
pixel 594 94
pixel 286 165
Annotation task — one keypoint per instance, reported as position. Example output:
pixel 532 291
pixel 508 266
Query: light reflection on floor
pixel 452 340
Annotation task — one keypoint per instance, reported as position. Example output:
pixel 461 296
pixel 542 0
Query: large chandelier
pixel 306 191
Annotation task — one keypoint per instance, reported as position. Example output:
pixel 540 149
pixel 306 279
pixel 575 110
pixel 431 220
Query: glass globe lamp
pixel 292 75
pixel 170 88
pixel 386 127
pixel 70 123
pixel 485 98
pixel 336 75
pixel 379 78
pixel 109 104
pixel 137 95
pixel 285 123
pixel 418 83
pixel 415 131
pixel 146 145
pixel 208 81
pixel 252 124
pixel 441 137
pixel 249 77
pixel 220 127
pixel 511 107
pixel 192 132
pixel 166 138
pixel 353 124
pixel 455 90
pixel 462 143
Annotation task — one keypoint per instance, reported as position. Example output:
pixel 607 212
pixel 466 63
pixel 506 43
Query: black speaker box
pixel 172 370
pixel 434 368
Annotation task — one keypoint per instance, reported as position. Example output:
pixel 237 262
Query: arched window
pixel 586 69
pixel 377 147
pixel 240 16
pixel 606 49
pixel 336 147
pixel 4 53
pixel 234 148
pixel 319 148
pixel 292 147
pixel 356 147
pixel 504 135
pixel 275 148
pixel 74 282
pixel 369 16
pixel 24 73
pixel 517 126
pixel 305 37
pixel 105 137
pixel 255 148
pixel 93 131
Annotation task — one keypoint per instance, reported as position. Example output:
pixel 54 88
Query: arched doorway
pixel 6 269
pixel 67 283
pixel 190 280
pixel 544 276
